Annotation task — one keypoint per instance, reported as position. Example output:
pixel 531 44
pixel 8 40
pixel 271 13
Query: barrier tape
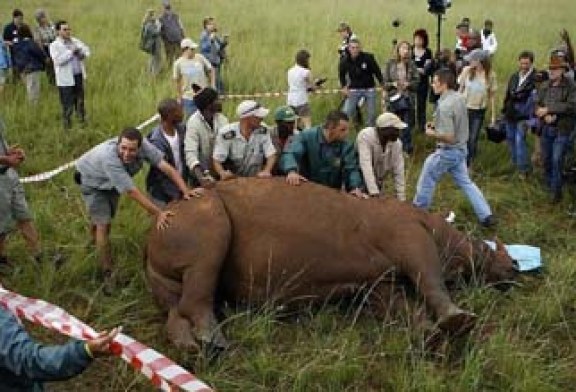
pixel 325 91
pixel 49 174
pixel 161 371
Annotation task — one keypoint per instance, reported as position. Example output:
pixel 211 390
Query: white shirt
pixel 175 147
pixel 298 83
pixel 489 43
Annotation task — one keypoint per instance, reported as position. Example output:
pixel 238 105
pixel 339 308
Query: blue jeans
pixel 554 147
pixel 189 108
pixel 516 139
pixel 352 100
pixel 475 121
pixel 406 133
pixel 219 82
pixel 453 161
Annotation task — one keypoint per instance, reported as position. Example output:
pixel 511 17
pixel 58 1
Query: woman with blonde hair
pixel 150 41
pixel 477 84
pixel 401 79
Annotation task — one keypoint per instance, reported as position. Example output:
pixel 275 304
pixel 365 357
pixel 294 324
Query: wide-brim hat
pixel 390 120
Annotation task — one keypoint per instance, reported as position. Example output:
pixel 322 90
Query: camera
pixel 438 6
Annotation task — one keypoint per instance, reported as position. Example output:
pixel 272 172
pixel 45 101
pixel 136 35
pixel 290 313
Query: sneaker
pixel 490 221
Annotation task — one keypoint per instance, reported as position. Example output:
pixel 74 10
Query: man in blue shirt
pixel 25 364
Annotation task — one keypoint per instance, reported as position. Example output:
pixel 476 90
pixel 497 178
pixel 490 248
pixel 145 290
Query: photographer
pixel 300 83
pixel 401 80
pixel 518 109
pixel 68 54
pixel 214 49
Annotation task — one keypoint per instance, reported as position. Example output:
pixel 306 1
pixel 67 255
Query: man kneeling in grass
pixel 106 171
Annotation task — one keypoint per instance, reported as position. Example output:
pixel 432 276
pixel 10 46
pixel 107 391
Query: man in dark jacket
pixel 25 364
pixel 519 109
pixel 357 72
pixel 168 137
pixel 556 109
pixel 29 60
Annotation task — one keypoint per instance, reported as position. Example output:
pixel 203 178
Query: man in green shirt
pixel 324 155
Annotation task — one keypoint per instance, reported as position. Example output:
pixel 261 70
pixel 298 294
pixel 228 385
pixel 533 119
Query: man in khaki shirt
pixel 380 152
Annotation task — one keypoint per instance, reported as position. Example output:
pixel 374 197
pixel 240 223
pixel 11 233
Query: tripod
pixel 438 32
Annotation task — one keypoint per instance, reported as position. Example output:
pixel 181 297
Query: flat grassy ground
pixel 524 341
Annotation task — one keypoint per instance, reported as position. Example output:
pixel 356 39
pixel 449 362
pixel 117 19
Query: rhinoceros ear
pixel 499 245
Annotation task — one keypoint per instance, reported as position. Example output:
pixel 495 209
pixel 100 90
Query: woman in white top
pixel 478 86
pixel 299 85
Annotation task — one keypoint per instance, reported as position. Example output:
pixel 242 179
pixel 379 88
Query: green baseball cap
pixel 285 113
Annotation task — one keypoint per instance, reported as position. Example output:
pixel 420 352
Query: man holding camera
pixel 68 54
pixel 450 130
pixel 214 49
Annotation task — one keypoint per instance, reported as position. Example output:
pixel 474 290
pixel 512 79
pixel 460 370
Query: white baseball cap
pixel 188 43
pixel 251 108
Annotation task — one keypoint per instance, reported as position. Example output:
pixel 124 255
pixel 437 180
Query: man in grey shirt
pixel 106 171
pixel 450 129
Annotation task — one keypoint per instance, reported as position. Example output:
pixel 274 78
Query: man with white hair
pixel 244 148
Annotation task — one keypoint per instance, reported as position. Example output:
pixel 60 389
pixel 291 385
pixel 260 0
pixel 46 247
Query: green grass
pixel 525 340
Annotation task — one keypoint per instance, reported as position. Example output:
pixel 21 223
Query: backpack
pixel 148 39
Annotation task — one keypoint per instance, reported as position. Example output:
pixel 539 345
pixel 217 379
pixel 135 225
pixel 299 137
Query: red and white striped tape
pixel 162 372
pixel 49 174
pixel 325 91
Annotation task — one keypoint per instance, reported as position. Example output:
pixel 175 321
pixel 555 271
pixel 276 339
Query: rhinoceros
pixel 261 239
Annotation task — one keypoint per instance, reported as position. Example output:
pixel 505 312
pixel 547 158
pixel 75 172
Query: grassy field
pixel 525 339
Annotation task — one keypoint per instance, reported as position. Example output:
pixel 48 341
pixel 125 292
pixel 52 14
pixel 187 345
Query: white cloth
pixel 298 83
pixel 63 58
pixel 174 143
pixel 375 163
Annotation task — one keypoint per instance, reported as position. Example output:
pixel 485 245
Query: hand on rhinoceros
pixel 190 193
pixel 227 175
pixel 207 182
pixel 294 178
pixel 264 174
pixel 358 193
pixel 162 219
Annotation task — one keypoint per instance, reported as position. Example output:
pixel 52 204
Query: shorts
pixel 302 110
pixel 101 204
pixel 13 205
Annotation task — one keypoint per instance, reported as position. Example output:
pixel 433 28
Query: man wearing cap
pixel 201 130
pixel 191 68
pixel 357 73
pixel 324 155
pixel 242 147
pixel 285 118
pixel 450 131
pixel 105 172
pixel 168 137
pixel 68 54
pixel 556 109
pixel 380 152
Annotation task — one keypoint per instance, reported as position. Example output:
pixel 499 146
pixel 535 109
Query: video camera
pixel 438 6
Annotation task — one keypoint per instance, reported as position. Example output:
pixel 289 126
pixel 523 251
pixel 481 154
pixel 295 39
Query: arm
pixel 342 70
pixel 352 177
pixel 173 174
pixel 365 158
pixel 292 155
pixel 192 146
pixel 448 138
pixel 398 171
pixel 219 156
pixel 271 157
pixel 27 359
pixel 84 49
pixel 567 107
pixel 376 71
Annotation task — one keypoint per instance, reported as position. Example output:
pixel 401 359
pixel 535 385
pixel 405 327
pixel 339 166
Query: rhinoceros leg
pixel 422 264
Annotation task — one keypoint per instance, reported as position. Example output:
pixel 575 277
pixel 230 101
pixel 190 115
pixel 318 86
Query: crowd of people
pixel 195 144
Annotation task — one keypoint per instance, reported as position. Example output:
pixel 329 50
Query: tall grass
pixel 525 338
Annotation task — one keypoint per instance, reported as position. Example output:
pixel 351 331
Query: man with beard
pixel 201 131
pixel 380 152
pixel 284 130
pixel 105 172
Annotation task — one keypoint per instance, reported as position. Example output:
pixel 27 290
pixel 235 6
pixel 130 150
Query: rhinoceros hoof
pixel 458 322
